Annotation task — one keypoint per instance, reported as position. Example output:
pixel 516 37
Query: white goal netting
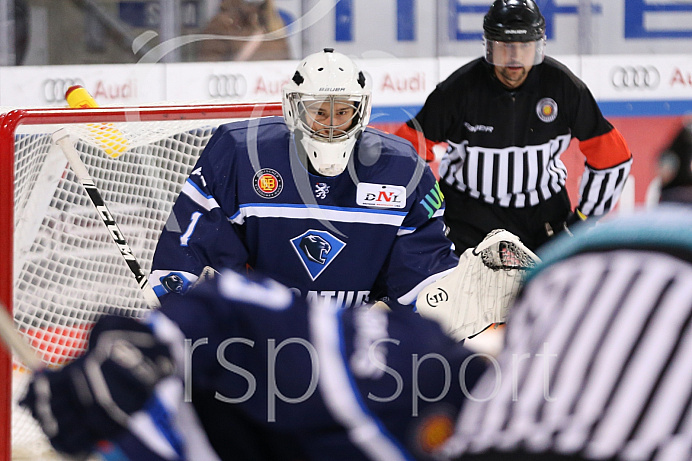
pixel 67 270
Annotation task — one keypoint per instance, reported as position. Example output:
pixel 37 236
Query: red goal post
pixel 11 122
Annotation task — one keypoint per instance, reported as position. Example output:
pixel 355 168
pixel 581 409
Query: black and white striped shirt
pixel 512 176
pixel 598 359
pixel 518 177
pixel 505 145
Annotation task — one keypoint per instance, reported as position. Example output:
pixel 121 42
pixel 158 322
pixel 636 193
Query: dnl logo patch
pixel 381 195
pixel 317 249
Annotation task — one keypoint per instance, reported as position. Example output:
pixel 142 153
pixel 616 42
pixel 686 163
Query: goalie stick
pixel 15 343
pixel 62 139
pixel 479 291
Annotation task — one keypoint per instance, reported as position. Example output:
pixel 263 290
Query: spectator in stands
pixel 599 343
pixel 507 117
pixel 21 30
pixel 675 168
pixel 250 19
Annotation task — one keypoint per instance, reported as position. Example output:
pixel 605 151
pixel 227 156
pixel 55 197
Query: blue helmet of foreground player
pixel 516 23
pixel 327 105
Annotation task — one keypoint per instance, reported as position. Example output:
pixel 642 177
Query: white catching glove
pixel 479 291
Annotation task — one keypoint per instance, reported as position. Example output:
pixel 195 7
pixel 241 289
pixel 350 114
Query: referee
pixel 598 358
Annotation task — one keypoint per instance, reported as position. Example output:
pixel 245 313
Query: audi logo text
pixel 54 89
pixel 227 86
pixel 637 77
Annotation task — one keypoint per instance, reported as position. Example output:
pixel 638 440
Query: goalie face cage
pixel 60 267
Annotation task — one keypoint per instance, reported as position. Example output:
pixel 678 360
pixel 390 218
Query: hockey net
pixel 62 269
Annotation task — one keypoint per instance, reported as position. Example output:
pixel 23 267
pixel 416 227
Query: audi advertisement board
pixel 110 84
pixel 399 88
pixel 624 85
pixel 228 82
pixel 646 97
pixel 450 64
pixel 651 85
pixel 54 88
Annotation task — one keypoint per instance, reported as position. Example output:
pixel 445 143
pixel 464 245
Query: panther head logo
pixel 173 283
pixel 315 248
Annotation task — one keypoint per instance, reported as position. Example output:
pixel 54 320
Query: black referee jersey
pixel 598 358
pixel 505 145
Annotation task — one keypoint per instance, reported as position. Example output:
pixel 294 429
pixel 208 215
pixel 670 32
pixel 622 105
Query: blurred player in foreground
pixel 599 344
pixel 244 369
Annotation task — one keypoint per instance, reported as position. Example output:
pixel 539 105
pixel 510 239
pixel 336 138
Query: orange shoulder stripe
pixel 423 146
pixel 605 151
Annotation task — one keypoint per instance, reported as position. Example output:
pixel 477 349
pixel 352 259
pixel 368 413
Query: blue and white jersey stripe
pixel 301 211
pixel 198 196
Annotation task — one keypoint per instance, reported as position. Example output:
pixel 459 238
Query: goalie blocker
pixel 478 292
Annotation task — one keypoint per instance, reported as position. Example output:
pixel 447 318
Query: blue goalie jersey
pixel 373 232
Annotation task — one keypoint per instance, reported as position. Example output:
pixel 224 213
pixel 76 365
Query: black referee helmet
pixel 514 21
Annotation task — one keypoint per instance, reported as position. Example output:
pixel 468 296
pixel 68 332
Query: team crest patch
pixel 268 183
pixel 546 109
pixel 317 249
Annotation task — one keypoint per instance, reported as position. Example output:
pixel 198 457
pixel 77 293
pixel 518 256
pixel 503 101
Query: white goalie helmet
pixel 327 106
